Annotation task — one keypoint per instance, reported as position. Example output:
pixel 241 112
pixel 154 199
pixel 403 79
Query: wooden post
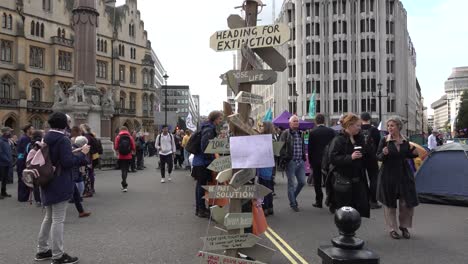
pixel 251 12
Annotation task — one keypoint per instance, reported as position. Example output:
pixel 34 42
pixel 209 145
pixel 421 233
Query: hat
pixel 58 120
pixel 6 130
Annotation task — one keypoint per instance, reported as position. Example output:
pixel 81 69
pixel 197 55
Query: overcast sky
pixel 180 31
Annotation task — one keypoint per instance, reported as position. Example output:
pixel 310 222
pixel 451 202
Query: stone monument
pixel 84 102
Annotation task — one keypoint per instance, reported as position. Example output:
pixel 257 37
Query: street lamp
pixel 379 95
pixel 165 76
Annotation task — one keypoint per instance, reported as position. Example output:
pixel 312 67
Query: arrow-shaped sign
pixel 249 98
pixel 224 176
pixel 212 258
pixel 218 145
pixel 232 82
pixel 238 220
pixel 220 164
pixel 251 58
pixel 218 214
pixel 252 77
pixel 242 177
pixel 243 192
pixel 235 119
pixel 235 21
pixel 229 241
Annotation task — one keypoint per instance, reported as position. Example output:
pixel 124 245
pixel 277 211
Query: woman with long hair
pixel 350 186
pixel 92 142
pixel 396 179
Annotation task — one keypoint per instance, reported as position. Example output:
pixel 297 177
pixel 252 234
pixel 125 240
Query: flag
pixel 189 123
pixel 312 105
pixel 268 116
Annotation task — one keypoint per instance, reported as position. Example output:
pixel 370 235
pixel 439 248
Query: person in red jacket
pixel 125 146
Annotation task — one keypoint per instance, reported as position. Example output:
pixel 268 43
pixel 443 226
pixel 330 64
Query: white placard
pixel 252 152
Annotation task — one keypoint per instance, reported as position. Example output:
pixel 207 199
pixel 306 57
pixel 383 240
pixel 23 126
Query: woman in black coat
pixel 346 156
pixel 396 179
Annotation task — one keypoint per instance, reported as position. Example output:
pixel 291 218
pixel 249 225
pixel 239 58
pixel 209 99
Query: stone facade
pixel 38 51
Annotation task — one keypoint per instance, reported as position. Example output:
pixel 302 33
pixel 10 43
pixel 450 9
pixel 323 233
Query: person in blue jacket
pixel 24 141
pixel 6 159
pixel 56 194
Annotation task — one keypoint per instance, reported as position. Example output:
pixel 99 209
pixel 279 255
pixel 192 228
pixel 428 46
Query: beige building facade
pixel 37 52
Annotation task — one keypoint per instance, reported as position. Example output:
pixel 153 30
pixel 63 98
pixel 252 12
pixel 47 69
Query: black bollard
pixel 346 247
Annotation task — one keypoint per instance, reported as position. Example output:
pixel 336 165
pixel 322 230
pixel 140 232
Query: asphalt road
pixel 155 223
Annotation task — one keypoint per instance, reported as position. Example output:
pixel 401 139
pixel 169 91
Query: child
pixel 79 172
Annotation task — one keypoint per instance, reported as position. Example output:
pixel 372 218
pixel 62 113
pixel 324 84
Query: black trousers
pixel 124 169
pixel 4 170
pixel 372 168
pixel 139 159
pixel 77 199
pixel 179 159
pixel 166 159
pixel 317 174
pixel 133 163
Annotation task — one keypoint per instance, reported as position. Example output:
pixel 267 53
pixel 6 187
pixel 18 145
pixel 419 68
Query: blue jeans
pixel 295 169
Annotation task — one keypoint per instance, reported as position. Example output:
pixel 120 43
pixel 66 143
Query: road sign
pixel 220 164
pixel 243 192
pixel 242 177
pixel 218 145
pixel 211 258
pixel 252 77
pixel 272 58
pixel 277 146
pixel 235 119
pixel 249 98
pixel 251 58
pixel 224 176
pixel 218 214
pixel 229 241
pixel 238 220
pixel 253 37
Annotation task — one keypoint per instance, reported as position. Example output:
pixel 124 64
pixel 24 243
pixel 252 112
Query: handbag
pixel 342 184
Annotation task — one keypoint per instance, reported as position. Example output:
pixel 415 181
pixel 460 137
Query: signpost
pixel 229 241
pixel 243 192
pixel 250 56
pixel 249 98
pixel 238 220
pixel 252 77
pixel 218 214
pixel 252 37
pixel 220 164
pixel 224 176
pixel 242 177
pixel 218 145
pixel 211 258
pixel 234 119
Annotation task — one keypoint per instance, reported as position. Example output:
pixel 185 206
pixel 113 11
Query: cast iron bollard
pixel 347 248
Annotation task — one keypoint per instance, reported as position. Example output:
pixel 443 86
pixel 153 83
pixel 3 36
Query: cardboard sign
pixel 224 176
pixel 235 120
pixel 243 192
pixel 253 77
pixel 252 152
pixel 249 98
pixel 220 164
pixel 229 241
pixel 252 37
pixel 218 145
pixel 242 177
pixel 238 220
pixel 211 258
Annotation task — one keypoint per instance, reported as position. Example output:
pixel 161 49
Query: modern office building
pixel 38 51
pixel 441 113
pixel 180 103
pixel 346 51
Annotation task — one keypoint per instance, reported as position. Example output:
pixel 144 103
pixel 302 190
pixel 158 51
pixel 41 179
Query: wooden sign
pixel 232 82
pixel 235 21
pixel 277 146
pixel 251 58
pixel 235 119
pixel 259 252
pixel 249 98
pixel 242 177
pixel 220 164
pixel 243 192
pixel 224 176
pixel 238 220
pixel 272 58
pixel 229 241
pixel 211 258
pixel 218 214
pixel 252 77
pixel 218 145
pixel 252 37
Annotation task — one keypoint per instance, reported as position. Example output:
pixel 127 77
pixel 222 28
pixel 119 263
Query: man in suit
pixel 319 138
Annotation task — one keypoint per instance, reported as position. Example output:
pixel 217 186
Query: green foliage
pixel 462 117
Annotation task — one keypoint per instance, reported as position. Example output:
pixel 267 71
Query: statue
pixel 79 92
pixel 59 95
pixel 108 100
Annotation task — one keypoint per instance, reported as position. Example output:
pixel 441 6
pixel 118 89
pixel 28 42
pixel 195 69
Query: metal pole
pixel 407 120
pixel 380 102
pixel 165 98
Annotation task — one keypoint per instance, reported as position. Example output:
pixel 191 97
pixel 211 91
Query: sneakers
pixel 295 208
pixel 84 214
pixel 162 180
pixel 5 195
pixel 169 179
pixel 65 259
pixel 43 255
pixel 124 189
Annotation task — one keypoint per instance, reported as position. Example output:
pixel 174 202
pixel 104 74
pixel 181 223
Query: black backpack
pixel 369 144
pixel 194 144
pixel 125 145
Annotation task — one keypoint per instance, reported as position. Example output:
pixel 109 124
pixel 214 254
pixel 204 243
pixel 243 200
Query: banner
pixel 268 116
pixel 312 105
pixel 189 123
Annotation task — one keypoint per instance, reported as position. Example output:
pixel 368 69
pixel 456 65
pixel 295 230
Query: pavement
pixel 155 223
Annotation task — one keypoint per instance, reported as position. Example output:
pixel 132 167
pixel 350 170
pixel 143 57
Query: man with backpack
pixel 371 140
pixel 6 159
pixel 125 147
pixel 56 188
pixel 165 144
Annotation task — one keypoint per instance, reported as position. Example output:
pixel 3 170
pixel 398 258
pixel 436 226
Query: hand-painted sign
pixel 249 98
pixel 235 119
pixel 272 58
pixel 251 58
pixel 252 77
pixel 252 37
pixel 235 21
pixel 238 220
pixel 218 145
pixel 224 176
pixel 242 177
pixel 220 164
pixel 211 258
pixel 232 82
pixel 218 214
pixel 244 192
pixel 229 241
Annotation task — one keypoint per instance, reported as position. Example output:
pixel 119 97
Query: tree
pixel 462 117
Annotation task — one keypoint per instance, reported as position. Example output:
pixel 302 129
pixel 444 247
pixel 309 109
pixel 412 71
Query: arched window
pixel 145 103
pixel 6 87
pixel 151 77
pixel 38 29
pixel 151 104
pixel 37 122
pixel 4 20
pixel 59 32
pixel 98 45
pixel 145 78
pixel 33 25
pixel 123 96
pixel 105 46
pixel 63 33
pixel 36 90
pixel 42 30
pixel 123 50
pixel 10 22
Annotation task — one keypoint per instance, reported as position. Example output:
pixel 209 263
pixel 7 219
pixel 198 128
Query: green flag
pixel 312 105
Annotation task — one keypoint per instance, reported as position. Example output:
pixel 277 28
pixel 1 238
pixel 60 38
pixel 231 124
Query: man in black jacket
pixel 319 138
pixel 371 142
